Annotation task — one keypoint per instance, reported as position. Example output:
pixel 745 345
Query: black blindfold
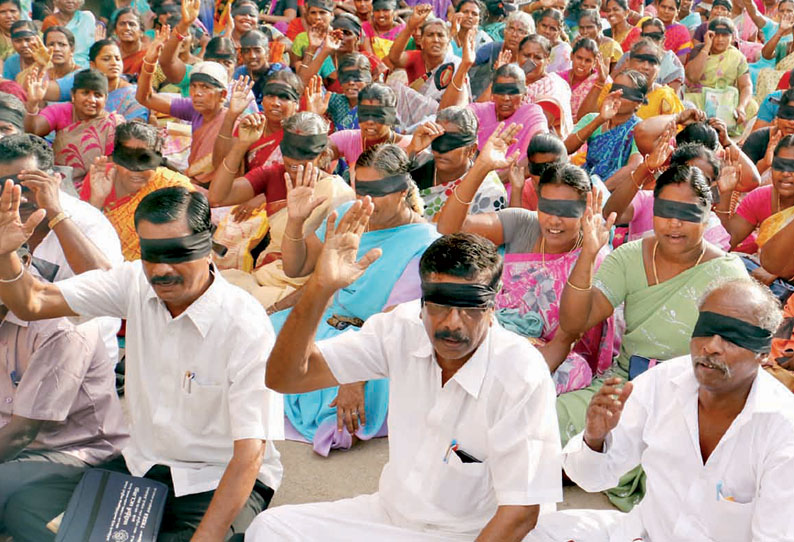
pixel 642 57
pixel 566 208
pixel 782 164
pixel 280 90
pixel 354 75
pixel 630 93
pixel 176 249
pixel 507 89
pixel 785 112
pixel 377 113
pixel 455 294
pixel 383 187
pixel 741 333
pixel 137 159
pixel 450 141
pixel 303 147
pixel 688 212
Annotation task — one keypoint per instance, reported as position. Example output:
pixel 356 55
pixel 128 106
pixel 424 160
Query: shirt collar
pixel 12 318
pixel 203 311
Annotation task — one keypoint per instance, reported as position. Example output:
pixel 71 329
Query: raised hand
pixel 786 24
pixel 349 403
pixel 251 129
pixel 46 188
pixel 494 153
pixel 100 32
pixel 602 68
pixel 419 15
pixel 241 95
pixel 424 136
pixel 517 176
pixel 333 40
pixel 156 45
pixel 468 53
pixel 662 149
pixel 504 58
pixel 190 11
pixel 611 105
pixel 301 200
pixel 595 230
pixel 337 266
pixel 316 102
pixel 708 40
pixel 13 232
pixel 455 24
pixel 36 89
pixel 690 116
pixel 604 410
pixel 41 54
pixel 101 180
pixel 775 135
pixel 316 36
pixel 730 172
pixel 722 130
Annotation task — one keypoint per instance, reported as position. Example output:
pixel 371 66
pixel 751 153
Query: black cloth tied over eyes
pixel 253 39
pixel 566 208
pixel 456 294
pixel 22 33
pixel 177 249
pixel 688 212
pixel 539 168
pixel 449 141
pixel 653 59
pixel 721 29
pixel 327 5
pixel 785 112
pixel 782 164
pixel 280 90
pixel 742 334
pixel 353 75
pixel 384 4
pixel 630 93
pixel 346 23
pixel 245 9
pixel 303 147
pixel 136 159
pixel 507 88
pixel 381 114
pixel 205 78
pixel 656 36
pixel 383 187
pixel 14 117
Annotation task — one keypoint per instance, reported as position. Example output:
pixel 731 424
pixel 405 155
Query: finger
pixel 32 221
pixel 362 414
pixel 7 196
pixel 290 184
pixel 340 421
pixel 349 422
pixel 611 221
pixel 329 224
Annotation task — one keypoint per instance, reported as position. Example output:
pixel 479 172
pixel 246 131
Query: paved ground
pixel 310 477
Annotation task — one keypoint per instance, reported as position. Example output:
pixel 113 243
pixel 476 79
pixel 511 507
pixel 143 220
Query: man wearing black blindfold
pixel 713 407
pixel 461 362
pixel 196 349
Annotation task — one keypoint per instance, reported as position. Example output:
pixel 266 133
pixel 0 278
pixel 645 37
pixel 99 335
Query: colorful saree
pixel 200 168
pixel 264 152
pixel 121 212
pixel 133 64
pixel 774 224
pixel 122 101
pixel 580 91
pixel 533 283
pixel 490 197
pixel 81 142
pixel 309 413
pixel 609 151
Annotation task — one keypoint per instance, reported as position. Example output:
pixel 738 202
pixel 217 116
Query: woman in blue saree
pixel 399 229
pixel 609 134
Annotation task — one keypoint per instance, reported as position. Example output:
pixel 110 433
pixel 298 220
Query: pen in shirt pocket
pixel 451 448
pixel 187 381
pixel 720 496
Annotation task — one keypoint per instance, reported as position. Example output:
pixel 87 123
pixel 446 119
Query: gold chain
pixel 653 260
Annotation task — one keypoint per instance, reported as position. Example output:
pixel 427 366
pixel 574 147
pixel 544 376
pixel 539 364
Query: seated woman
pixel 470 15
pixel 760 144
pixel 81 23
pixel 658 279
pixel 128 29
pixel 676 35
pixel 383 27
pixel 509 105
pixel 585 73
pixel 354 73
pixel 549 25
pixel 453 140
pixel 646 58
pixel 84 129
pixel 533 58
pixel 543 150
pixel 590 27
pixel 719 65
pixel 60 41
pixel 770 27
pixel 540 249
pixel 397 227
pixel 116 187
pixel 304 141
pixel 609 134
pixel 620 30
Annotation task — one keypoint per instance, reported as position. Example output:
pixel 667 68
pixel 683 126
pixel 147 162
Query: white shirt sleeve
pixel 357 356
pixel 102 293
pixel 772 517
pixel 598 471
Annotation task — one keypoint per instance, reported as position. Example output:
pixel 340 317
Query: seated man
pixel 59 412
pixel 713 432
pixel 201 419
pixel 473 437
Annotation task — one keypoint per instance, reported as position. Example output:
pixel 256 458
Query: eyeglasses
pixel 469 314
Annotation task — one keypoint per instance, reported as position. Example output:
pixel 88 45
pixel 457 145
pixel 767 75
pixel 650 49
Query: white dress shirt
pixel 194 383
pixel 743 492
pixel 499 407
pixel 96 227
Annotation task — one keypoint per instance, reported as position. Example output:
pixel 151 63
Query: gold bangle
pixel 293 239
pixel 577 136
pixel 633 180
pixel 721 212
pixel 569 283
pixel 456 87
pixel 227 168
pixel 19 276
pixel 221 136
pixel 455 193
pixel 150 63
pixel 57 219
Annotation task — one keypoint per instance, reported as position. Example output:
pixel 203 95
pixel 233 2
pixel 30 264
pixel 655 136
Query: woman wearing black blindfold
pixel 760 145
pixel 452 139
pixel 540 247
pixel 545 150
pixel 354 72
pixel 646 58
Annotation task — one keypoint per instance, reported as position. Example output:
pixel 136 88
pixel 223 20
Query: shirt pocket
pixel 460 488
pixel 731 521
pixel 204 409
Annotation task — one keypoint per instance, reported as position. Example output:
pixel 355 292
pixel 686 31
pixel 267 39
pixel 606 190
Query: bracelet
pixel 304 66
pixel 179 37
pixel 293 239
pixel 221 136
pixel 19 276
pixel 722 212
pixel 455 193
pixel 227 168
pixel 150 63
pixel 57 219
pixel 456 87
pixel 577 136
pixel 638 185
pixel 31 114
pixel 569 283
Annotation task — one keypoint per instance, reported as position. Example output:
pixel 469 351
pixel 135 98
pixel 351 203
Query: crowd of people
pixel 531 243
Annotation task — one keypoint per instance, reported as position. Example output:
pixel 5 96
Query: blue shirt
pixel 768 110
pixel 12 66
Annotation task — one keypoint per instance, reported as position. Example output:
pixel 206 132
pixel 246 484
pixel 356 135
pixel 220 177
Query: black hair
pixel 585 43
pixel 22 23
pixel 639 81
pixel 683 174
pixel 689 151
pixel 786 142
pixel 287 77
pixel 543 41
pixel 90 79
pixel 378 92
pixel 699 132
pixel 622 3
pixel 551 13
pixel 591 14
pixel 354 61
pixel 477 3
pixel 676 2
pixel 218 45
pixel 787 97
pixel 97 47
pixel 18 146
pixel 465 255
pixel 653 21
pixel 15 2
pixel 512 71
pixel 547 143
pixel 644 43
pixel 140 131
pixel 175 203
pixel 726 21
pixel 124 11
pixel 62 30
pixel 387 159
pixel 566 175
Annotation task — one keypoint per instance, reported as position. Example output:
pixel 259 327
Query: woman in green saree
pixel 658 280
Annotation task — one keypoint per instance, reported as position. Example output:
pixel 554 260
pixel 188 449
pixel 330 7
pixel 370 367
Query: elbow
pixel 214 199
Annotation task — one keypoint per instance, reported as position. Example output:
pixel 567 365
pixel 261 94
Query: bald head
pixel 745 299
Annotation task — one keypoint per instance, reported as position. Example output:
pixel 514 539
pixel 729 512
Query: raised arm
pixel 749 177
pixel 153 100
pixel 697 61
pixel 457 92
pixel 296 365
pixel 36 89
pixel 752 10
pixel 581 305
pixel 299 250
pixel 173 68
pixel 328 44
pixel 454 215
pixel 226 187
pixel 590 102
pixel 608 111
pixel 785 26
pixel 25 296
pixel 239 101
pixel 397 57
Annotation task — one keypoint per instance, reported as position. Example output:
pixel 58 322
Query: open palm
pixel 595 230
pixel 301 200
pixel 13 232
pixel 494 153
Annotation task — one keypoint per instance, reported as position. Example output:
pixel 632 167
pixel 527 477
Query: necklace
pixel 653 259
pixel 543 248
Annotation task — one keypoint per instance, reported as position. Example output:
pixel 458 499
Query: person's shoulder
pixel 514 362
pixel 775 399
pixel 82 213
pixel 630 250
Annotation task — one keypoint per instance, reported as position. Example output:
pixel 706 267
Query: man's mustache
pixel 714 363
pixel 446 334
pixel 166 280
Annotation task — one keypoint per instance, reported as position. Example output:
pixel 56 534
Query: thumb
pixel 332 404
pixel 33 221
pixel 628 387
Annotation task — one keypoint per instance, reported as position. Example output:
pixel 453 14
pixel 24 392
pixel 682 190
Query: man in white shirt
pixel 74 237
pixel 713 432
pixel 473 449
pixel 201 419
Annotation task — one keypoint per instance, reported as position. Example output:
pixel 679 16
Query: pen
pixel 452 446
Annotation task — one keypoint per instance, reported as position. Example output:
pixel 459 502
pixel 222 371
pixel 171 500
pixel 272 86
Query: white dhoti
pixel 588 526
